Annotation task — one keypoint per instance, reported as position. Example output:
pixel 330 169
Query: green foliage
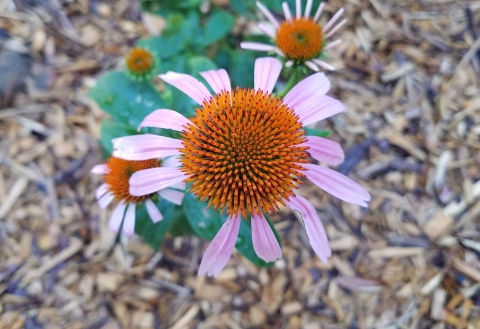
pixel 205 223
pixel 316 132
pixel 217 27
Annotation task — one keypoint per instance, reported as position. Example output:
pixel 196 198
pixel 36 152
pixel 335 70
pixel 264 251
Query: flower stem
pixel 292 81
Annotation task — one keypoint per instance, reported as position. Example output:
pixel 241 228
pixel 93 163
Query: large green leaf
pixel 218 25
pixel 127 101
pixel 241 68
pixel 163 46
pixel 205 223
pixel 153 233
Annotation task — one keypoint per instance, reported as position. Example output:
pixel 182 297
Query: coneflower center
pixel 139 61
pixel 243 152
pixel 300 39
pixel 120 171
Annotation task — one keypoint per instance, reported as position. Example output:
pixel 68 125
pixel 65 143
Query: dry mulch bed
pixel 410 78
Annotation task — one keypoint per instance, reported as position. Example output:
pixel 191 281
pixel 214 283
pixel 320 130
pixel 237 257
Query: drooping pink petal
pixel 101 190
pixel 319 11
pixel 166 119
pixel 287 12
pixel 100 169
pixel 332 44
pixel 220 249
pixel 337 184
pixel 218 80
pixel 313 86
pixel 333 20
pixel 172 196
pixel 313 225
pixel 325 107
pixel 298 5
pixel 264 241
pixel 268 29
pixel 171 162
pixel 117 217
pixel 257 46
pixel 179 186
pixel 267 70
pixel 308 8
pixel 312 65
pixel 151 180
pixel 324 65
pixel 325 150
pixel 105 200
pixel 336 28
pixel 129 220
pixel 146 146
pixel 188 84
pixel 268 14
pixel 155 214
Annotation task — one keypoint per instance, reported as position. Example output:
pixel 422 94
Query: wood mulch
pixel 410 79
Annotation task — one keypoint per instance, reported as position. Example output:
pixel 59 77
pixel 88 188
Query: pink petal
pixel 333 20
pixel 312 65
pixel 188 84
pixel 299 8
pixel 267 70
pixel 155 214
pixel 308 8
pixel 99 169
pixel 313 86
pixel 325 150
pixel 264 241
pixel 287 12
pixel 166 119
pixel 324 65
pixel 268 29
pixel 101 190
pixel 171 162
pixel 313 225
pixel 117 217
pixel 268 14
pixel 318 12
pixel 337 184
pixel 105 200
pixel 260 47
pixel 129 220
pixel 218 80
pixel 220 249
pixel 336 28
pixel 146 146
pixel 323 108
pixel 179 186
pixel 332 44
pixel 151 180
pixel 172 196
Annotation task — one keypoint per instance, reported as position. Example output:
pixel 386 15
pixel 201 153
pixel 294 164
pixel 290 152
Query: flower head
pixel 244 151
pixel 300 39
pixel 141 63
pixel 116 173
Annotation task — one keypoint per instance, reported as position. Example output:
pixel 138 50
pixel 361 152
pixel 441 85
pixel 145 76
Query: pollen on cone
pixel 300 39
pixel 118 174
pixel 242 152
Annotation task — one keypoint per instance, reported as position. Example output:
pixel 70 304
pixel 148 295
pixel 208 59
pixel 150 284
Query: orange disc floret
pixel 300 39
pixel 120 171
pixel 140 61
pixel 243 152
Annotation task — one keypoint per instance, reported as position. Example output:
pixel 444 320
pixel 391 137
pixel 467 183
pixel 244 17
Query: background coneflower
pixel 141 64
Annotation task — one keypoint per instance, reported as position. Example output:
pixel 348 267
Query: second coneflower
pixel 300 39
pixel 141 64
pixel 245 153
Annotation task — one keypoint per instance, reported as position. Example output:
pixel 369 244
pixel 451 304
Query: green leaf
pixel 219 24
pixel 316 132
pixel 199 64
pixel 110 130
pixel 241 69
pixel 127 101
pixel 163 47
pixel 206 223
pixel 152 233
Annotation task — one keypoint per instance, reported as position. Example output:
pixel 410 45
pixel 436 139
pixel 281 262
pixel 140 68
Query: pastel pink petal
pixel 337 184
pixel 105 200
pixel 318 108
pixel 171 162
pixel 257 46
pixel 129 220
pixel 155 214
pixel 172 196
pixel 189 85
pixel 117 217
pixel 298 6
pixel 264 241
pixel 287 12
pixel 318 12
pixel 268 14
pixel 332 44
pixel 267 70
pixel 166 119
pixel 146 146
pixel 151 180
pixel 336 28
pixel 308 8
pixel 99 169
pixel 220 249
pixel 179 186
pixel 313 86
pixel 325 150
pixel 313 225
pixel 218 80
pixel 268 29
pixel 333 20
pixel 101 190
pixel 324 65
pixel 312 65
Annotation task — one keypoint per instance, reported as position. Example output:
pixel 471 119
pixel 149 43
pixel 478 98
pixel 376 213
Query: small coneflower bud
pixel 141 64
